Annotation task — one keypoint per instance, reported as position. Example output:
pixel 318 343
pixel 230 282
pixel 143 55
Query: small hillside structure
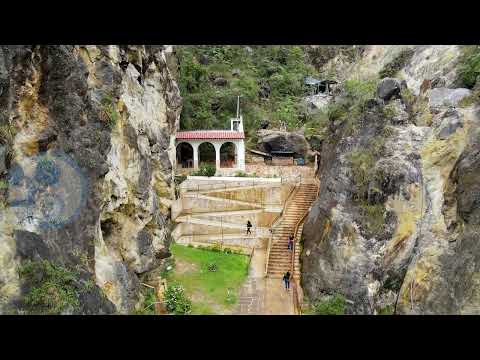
pixel 318 86
pixel 222 148
pixel 258 157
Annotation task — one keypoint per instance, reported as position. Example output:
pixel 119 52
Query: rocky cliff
pixel 86 150
pixel 395 227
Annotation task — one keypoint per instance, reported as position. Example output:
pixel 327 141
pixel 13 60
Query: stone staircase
pixel 279 258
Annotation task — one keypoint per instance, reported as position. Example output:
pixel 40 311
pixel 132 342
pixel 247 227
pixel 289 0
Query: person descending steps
pixel 249 225
pixel 290 242
pixel 286 280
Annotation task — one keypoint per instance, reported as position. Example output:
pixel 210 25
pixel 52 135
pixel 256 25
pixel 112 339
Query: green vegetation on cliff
pixel 469 67
pixel 269 80
pixel 52 288
pixel 335 305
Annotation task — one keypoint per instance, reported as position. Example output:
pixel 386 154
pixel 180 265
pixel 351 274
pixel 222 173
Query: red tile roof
pixel 210 134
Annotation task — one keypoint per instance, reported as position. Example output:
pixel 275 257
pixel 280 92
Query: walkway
pixel 260 295
pixel 265 295
pixel 279 257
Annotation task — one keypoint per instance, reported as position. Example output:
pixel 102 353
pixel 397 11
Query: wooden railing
pixel 296 302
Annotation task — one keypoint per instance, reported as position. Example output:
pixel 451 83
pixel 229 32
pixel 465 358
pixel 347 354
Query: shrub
pixel 374 216
pixel 205 170
pixel 362 163
pixel 335 305
pixel 7 137
pixel 109 111
pixel 231 298
pixel 390 69
pixel 212 267
pixel 176 300
pixel 387 310
pixel 147 307
pixel 469 67
pixel 470 100
pixel 52 288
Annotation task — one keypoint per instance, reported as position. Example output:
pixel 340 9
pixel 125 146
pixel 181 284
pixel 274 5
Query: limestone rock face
pixel 317 102
pixel 439 97
pixel 3 155
pixel 102 120
pixel 395 227
pixel 273 140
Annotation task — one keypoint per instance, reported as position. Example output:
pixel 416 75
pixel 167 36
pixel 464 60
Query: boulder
pixel 204 60
pixel 438 82
pixel 388 88
pixel 373 103
pixel 264 124
pixel 273 140
pixel 451 121
pixel 220 81
pixel 317 102
pixel 401 116
pixel 236 72
pixel 439 97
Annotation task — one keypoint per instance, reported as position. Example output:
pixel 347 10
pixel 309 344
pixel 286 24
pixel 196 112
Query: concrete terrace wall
pixel 215 210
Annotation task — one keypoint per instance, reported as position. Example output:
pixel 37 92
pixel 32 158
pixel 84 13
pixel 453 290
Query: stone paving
pixel 260 295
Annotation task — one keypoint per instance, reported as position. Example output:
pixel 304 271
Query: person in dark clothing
pixel 290 242
pixel 249 225
pixel 286 280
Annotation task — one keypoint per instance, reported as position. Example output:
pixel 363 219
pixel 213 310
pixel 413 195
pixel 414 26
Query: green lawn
pixel 209 291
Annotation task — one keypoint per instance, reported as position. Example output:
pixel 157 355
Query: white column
pixel 241 155
pixel 217 155
pixel 195 155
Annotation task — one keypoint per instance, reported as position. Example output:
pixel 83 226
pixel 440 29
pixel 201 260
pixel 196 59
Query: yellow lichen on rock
pixel 408 213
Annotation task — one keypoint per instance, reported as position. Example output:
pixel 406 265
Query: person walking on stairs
pixel 290 242
pixel 286 280
pixel 249 225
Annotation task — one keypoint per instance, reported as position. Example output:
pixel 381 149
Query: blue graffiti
pixel 51 190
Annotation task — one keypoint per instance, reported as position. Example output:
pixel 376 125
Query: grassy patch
pixel 335 305
pixel 209 289
pixel 7 137
pixel 147 307
pixel 398 62
pixel 362 163
pixel 374 217
pixel 109 111
pixel 52 288
pixel 470 100
pixel 469 67
pixel 3 184
pixel 387 310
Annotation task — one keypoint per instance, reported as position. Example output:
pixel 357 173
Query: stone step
pixel 280 258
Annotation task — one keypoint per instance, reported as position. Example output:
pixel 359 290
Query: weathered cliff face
pixel 426 62
pixel 87 182
pixel 395 227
